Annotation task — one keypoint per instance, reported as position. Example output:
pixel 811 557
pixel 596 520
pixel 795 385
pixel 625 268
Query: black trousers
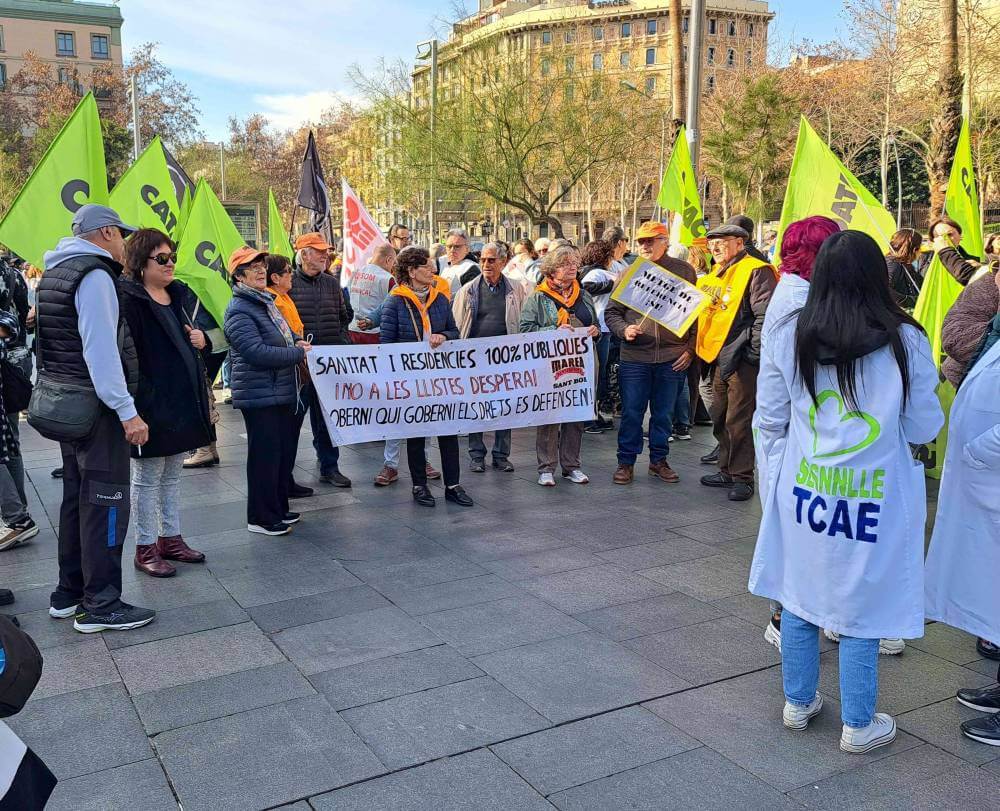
pixel 271 438
pixel 417 460
pixel 93 518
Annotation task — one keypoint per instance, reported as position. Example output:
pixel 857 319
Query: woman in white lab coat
pixel 964 556
pixel 845 385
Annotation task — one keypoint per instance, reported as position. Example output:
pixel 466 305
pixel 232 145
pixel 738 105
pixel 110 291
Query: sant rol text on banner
pixel 661 296
pixel 397 391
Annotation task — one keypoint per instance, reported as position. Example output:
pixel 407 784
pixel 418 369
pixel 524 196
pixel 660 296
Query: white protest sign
pixel 361 234
pixel 661 296
pixel 396 391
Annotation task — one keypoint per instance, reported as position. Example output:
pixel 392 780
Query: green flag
pixel 209 237
pixel 70 174
pixel 277 239
pixel 145 195
pixel 679 192
pixel 938 294
pixel 962 198
pixel 820 185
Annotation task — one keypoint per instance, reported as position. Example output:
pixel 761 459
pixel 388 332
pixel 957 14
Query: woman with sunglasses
pixel 172 397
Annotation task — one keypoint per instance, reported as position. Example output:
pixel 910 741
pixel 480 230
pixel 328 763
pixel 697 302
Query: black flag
pixel 182 183
pixel 313 193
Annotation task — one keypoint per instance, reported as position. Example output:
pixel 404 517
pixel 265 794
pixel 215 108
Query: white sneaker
pixel 772 634
pixel 276 529
pixel 880 732
pixel 547 480
pixel 577 476
pixel 887 647
pixel 796 717
pixel 891 647
pixel 62 613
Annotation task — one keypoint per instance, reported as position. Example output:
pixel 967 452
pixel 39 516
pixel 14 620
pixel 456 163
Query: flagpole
pixel 291 224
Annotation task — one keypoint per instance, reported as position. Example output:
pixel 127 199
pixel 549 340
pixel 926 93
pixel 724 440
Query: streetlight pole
pixel 899 183
pixel 696 44
pixel 136 136
pixel 222 166
pixel 657 211
pixel 429 51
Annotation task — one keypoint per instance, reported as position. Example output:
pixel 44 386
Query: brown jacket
pixel 656 344
pixel 743 343
pixel 966 324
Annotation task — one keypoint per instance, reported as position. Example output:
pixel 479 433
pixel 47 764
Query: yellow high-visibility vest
pixel 726 293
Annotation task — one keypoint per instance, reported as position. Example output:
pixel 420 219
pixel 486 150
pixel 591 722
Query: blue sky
pixel 289 59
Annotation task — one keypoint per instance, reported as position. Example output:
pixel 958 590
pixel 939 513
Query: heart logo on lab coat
pixel 874 429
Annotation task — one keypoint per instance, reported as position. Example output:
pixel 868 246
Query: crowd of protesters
pixel 800 367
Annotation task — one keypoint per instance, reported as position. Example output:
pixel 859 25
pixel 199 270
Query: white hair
pixel 679 252
pixel 457 232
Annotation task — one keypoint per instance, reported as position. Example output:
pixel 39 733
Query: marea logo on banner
pixel 207 255
pixel 568 372
pixel 161 208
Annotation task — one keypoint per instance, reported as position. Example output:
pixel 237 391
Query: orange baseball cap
pixel 312 240
pixel 243 256
pixel 650 229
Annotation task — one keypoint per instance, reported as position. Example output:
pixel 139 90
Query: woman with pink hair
pixel 799 246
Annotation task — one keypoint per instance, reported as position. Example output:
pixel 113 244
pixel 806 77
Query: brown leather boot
pixel 663 472
pixel 624 474
pixel 148 560
pixel 174 548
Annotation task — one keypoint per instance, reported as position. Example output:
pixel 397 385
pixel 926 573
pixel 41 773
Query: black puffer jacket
pixel 905 282
pixel 321 307
pixel 172 396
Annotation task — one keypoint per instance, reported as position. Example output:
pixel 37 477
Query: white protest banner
pixel 660 295
pixel 394 391
pixel 361 234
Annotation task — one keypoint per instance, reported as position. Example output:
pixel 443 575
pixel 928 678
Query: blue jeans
pixel 646 385
pixel 501 446
pixel 682 408
pixel 227 372
pixel 603 350
pixel 858 669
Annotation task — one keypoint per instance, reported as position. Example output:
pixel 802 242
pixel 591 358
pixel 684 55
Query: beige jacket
pixel 467 302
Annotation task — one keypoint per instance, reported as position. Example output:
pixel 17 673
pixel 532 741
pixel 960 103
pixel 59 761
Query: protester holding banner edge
pixel 265 357
pixel 559 302
pixel 419 309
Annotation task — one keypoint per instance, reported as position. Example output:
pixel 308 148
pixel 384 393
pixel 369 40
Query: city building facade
pixel 74 38
pixel 617 37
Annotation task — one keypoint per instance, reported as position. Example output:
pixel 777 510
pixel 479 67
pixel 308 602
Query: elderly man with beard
pixel 729 329
pixel 653 367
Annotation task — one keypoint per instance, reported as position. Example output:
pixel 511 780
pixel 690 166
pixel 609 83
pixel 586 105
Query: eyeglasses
pixel 163 259
pixel 649 240
pixel 253 267
pixel 483 260
pixel 718 243
pixel 455 247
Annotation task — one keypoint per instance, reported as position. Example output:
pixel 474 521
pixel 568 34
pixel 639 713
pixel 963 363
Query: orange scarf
pixel 564 303
pixel 440 287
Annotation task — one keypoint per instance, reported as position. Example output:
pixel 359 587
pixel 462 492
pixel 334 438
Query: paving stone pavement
pixel 576 647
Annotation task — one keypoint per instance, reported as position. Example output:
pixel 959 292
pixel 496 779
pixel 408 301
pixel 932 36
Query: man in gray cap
pixel 740 288
pixel 744 222
pixel 82 340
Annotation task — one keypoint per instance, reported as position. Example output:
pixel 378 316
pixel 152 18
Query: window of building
pixel 685 25
pixel 543 229
pixel 626 29
pixel 750 29
pixel 546 67
pixel 651 84
pixel 685 53
pixel 598 61
pixel 569 91
pixel 650 56
pixel 711 55
pixel 650 26
pixel 732 28
pixel 712 24
pixel 2 48
pixel 99 46
pixel 570 64
pixel 711 83
pixel 65 43
pixel 3 75
pixel 546 37
pixel 569 36
pixel 625 59
pixel 65 75
pixel 749 59
pixel 598 32
pixel 730 58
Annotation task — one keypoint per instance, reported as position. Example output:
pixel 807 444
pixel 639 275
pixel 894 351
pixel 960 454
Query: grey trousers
pixel 501 446
pixel 559 444
pixel 13 502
